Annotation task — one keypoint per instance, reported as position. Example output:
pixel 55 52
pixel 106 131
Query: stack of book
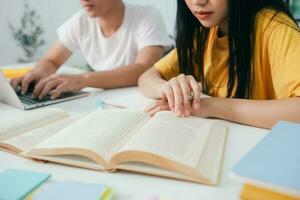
pixel 271 170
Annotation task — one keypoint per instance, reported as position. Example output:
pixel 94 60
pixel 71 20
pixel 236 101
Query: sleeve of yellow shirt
pixel 168 66
pixel 284 57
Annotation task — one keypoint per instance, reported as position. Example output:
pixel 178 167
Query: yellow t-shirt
pixel 276 59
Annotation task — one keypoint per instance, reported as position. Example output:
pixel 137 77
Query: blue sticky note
pixel 17 184
pixel 99 104
pixel 69 190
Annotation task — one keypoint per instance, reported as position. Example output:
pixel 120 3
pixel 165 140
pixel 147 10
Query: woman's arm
pixel 259 113
pixel 150 83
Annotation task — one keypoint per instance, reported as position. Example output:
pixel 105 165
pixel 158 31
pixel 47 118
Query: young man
pixel 119 42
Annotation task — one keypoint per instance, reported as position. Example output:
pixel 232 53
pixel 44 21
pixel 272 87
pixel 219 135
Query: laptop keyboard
pixel 28 99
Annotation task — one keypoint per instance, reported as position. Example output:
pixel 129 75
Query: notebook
pixel 16 184
pixel 71 190
pixel 274 163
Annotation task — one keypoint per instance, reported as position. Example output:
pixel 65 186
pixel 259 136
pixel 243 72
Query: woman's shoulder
pixel 268 19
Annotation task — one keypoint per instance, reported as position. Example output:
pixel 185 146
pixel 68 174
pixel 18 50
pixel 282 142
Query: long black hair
pixel 191 39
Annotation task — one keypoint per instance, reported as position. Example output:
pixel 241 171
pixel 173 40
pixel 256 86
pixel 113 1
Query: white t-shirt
pixel 142 26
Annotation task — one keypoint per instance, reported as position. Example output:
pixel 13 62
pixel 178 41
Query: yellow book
pixel 15 72
pixel 251 192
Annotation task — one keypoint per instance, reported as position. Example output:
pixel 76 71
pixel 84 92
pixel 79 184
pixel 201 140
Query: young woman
pixel 244 53
pixel 118 40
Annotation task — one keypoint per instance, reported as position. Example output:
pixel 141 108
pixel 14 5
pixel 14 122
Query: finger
pixel 156 104
pixel 158 109
pixel 163 96
pixel 41 84
pixel 178 97
pixel 60 89
pixel 186 92
pixel 49 86
pixel 16 82
pixel 167 90
pixel 197 92
pixel 26 81
pixel 39 87
pixel 151 106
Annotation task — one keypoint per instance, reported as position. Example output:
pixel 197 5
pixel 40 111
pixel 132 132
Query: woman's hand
pixel 182 93
pixel 55 84
pixel 163 105
pixel 157 106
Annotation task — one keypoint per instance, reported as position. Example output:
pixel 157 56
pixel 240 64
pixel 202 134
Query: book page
pixel 178 139
pixel 158 171
pixel 12 125
pixel 28 140
pixel 99 132
pixel 211 160
pixel 71 160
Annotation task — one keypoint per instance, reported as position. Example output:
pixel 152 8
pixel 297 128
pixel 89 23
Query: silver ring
pixel 191 96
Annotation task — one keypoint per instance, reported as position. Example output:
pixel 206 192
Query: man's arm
pixel 259 113
pixel 120 77
pixel 55 57
pixel 126 75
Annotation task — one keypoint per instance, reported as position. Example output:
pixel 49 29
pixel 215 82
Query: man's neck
pixel 112 21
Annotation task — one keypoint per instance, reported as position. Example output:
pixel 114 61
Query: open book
pixel 129 139
pixel 21 130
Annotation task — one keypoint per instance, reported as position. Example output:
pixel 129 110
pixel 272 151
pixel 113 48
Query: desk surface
pixel 132 186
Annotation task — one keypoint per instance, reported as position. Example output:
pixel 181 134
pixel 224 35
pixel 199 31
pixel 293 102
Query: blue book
pixel 71 190
pixel 17 184
pixel 274 163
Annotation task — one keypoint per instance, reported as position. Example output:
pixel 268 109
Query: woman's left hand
pixel 163 105
pixel 157 106
pixel 55 84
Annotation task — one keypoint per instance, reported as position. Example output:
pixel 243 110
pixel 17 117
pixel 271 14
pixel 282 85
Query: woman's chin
pixel 207 24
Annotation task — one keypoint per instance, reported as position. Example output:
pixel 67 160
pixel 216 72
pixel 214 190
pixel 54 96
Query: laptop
pixel 25 101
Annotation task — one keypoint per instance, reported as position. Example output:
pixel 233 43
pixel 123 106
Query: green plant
pixel 29 34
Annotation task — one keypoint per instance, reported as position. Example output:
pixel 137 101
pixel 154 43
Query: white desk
pixel 130 186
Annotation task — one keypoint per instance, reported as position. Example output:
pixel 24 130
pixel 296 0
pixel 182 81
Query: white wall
pixel 53 13
pixel 166 7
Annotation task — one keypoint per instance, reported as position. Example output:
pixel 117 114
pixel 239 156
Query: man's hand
pixel 34 75
pixel 48 65
pixel 55 84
